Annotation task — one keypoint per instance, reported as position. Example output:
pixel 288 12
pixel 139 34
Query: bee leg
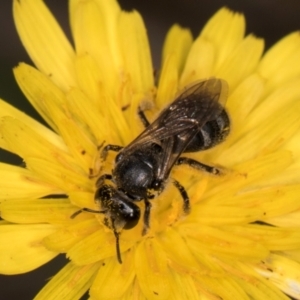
pixel 184 195
pixel 143 118
pixel 107 148
pixel 101 179
pixel 146 216
pixel 197 165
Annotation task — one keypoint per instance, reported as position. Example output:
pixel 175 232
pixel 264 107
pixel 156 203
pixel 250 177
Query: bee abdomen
pixel 210 134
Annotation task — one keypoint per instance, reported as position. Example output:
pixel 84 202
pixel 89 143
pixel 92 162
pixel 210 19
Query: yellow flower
pixel 242 237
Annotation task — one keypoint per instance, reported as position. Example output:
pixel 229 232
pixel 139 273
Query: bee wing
pixel 199 103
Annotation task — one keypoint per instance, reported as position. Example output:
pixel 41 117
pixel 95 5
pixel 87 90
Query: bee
pixel 195 121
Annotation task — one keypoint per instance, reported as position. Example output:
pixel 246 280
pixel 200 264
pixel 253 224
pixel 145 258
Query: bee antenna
pixel 76 213
pixel 117 235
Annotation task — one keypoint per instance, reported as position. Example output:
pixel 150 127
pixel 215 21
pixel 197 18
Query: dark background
pixel 270 19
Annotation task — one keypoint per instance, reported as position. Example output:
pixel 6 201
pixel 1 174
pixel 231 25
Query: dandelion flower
pixel 241 239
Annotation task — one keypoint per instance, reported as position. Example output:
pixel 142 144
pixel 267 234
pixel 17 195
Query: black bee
pixel 196 120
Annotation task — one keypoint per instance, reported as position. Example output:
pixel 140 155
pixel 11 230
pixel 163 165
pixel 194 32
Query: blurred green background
pixel 270 19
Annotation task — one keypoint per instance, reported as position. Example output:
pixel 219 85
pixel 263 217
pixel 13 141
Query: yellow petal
pixel 76 138
pixel 184 287
pixel 223 286
pixel 242 100
pixel 17 134
pixel 269 135
pixel 282 272
pixel 90 78
pixel 94 88
pixel 224 213
pixel 289 176
pixel 38 88
pixel 109 10
pixel 273 103
pixel 178 43
pixel 251 175
pixel 19 183
pixel 21 247
pixel 292 254
pixel 134 292
pixel 95 31
pixel 265 134
pixel 256 286
pixel 200 61
pixel 45 41
pixel 180 254
pixel 119 122
pixel 106 278
pixel 288 220
pixel 132 120
pixel 55 211
pixel 281 63
pixel 82 199
pixel 278 200
pixel 89 115
pixel 8 110
pixel 273 238
pixel 205 239
pixel 136 51
pixel 65 238
pixel 168 81
pixel 152 270
pixel 97 246
pixel 71 282
pixel 241 61
pixel 60 175
pixel 225 30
